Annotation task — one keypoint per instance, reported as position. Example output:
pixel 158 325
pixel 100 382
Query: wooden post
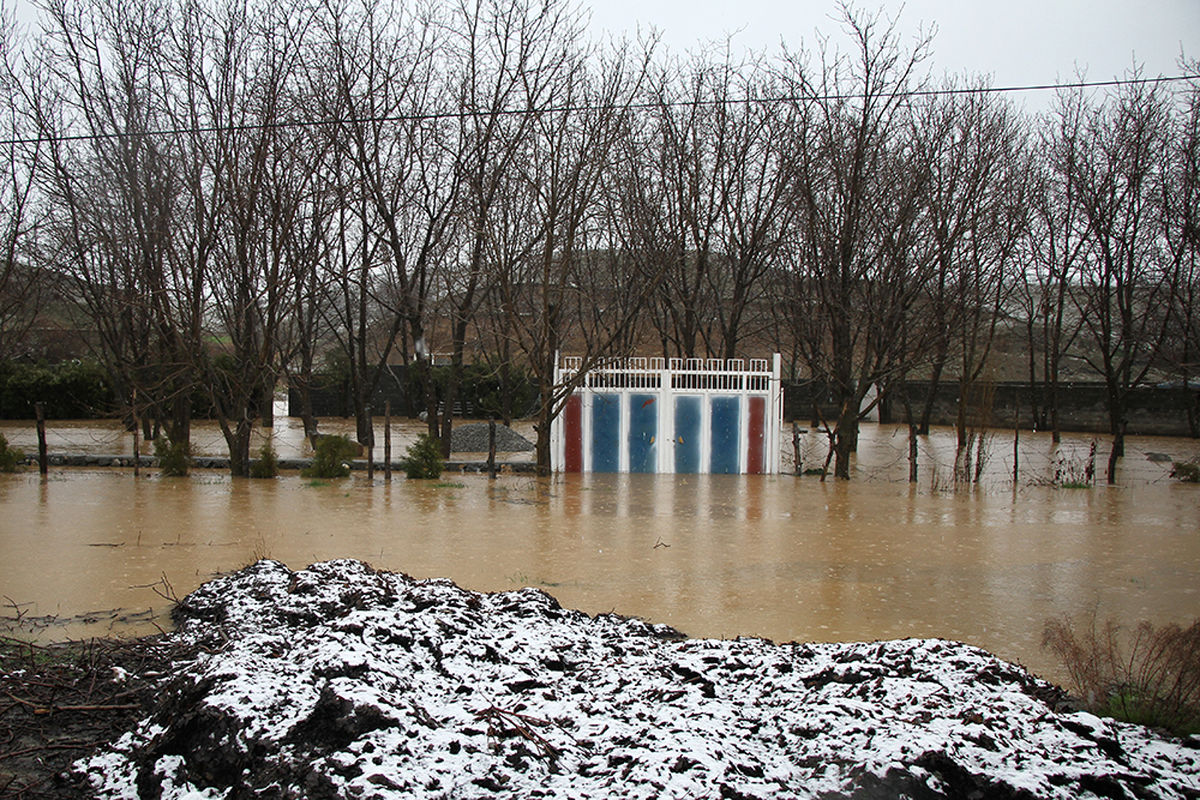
pixel 43 461
pixel 1016 443
pixel 912 453
pixel 799 470
pixel 370 445
pixel 387 440
pixel 137 442
pixel 491 448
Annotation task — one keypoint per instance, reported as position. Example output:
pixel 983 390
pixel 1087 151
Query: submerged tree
pixel 1126 283
pixel 546 284
pixel 118 209
pixel 1055 243
pixel 973 215
pixel 858 181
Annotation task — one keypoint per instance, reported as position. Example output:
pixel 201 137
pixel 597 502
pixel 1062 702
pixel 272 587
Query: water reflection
pixel 780 557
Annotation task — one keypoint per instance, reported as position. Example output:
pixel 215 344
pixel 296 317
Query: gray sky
pixel 1016 42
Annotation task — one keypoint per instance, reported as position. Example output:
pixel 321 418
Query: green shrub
pixel 267 464
pixel 69 390
pixel 10 458
pixel 423 458
pixel 1186 471
pixel 1151 677
pixel 331 457
pixel 174 458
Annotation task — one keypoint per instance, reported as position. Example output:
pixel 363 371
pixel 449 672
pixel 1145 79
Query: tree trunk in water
pixel 268 403
pixel 239 447
pixel 304 390
pixel 960 419
pixel 542 443
pixel 927 412
pixel 844 443
pixel 1118 449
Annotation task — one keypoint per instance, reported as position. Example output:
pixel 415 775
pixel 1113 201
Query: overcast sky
pixel 1016 42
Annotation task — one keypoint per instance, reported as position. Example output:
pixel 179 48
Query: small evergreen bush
pixel 174 458
pixel 331 457
pixel 423 458
pixel 10 458
pixel 267 464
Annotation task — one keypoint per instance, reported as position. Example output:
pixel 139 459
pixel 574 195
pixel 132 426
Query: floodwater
pixel 785 557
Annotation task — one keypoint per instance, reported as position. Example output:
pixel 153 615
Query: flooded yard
pixel 717 556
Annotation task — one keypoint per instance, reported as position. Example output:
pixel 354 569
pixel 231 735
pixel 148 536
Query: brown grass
pixel 1150 675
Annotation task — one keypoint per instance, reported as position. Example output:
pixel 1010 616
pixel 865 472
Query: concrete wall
pixel 1161 411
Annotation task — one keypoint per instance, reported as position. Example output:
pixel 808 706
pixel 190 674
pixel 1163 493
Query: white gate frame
pixel 668 379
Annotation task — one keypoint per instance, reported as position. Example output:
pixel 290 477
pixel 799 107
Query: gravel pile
pixel 473 438
pixel 338 681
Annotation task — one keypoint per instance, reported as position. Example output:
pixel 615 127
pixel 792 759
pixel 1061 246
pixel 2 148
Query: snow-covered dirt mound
pixel 339 681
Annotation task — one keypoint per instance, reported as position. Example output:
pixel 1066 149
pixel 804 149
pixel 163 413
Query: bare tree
pixel 757 208
pixel 857 188
pixel 115 197
pixel 1126 284
pixel 237 68
pixel 1055 245
pixel 22 282
pixel 542 287
pixel 505 58
pixel 1180 219
pixel 974 199
pixel 385 92
pixel 676 200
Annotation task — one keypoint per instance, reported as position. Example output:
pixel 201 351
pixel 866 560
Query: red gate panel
pixel 755 437
pixel 573 435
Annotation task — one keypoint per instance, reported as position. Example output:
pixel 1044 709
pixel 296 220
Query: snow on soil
pixel 340 681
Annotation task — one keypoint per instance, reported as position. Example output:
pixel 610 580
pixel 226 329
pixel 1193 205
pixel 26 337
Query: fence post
pixel 491 462
pixel 387 440
pixel 370 445
pixel 799 467
pixel 912 453
pixel 43 461
pixel 137 439
pixel 1016 440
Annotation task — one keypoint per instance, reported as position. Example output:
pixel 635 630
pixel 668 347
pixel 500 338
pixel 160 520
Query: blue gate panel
pixel 687 434
pixel 725 445
pixel 606 433
pixel 643 433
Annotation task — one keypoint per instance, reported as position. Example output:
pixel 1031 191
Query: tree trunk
pixel 1118 451
pixel 238 441
pixel 845 441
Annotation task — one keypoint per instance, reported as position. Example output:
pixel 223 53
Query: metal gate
pixel 670 415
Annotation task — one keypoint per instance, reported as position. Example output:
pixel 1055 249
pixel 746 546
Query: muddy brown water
pixel 93 551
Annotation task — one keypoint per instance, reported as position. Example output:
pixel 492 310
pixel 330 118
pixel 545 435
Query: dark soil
pixel 59 702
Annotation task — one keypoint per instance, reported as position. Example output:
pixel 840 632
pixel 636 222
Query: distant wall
pixel 1153 410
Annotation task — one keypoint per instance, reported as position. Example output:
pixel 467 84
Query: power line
pixel 576 109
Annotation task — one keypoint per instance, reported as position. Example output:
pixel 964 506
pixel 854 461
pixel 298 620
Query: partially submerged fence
pixel 670 415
